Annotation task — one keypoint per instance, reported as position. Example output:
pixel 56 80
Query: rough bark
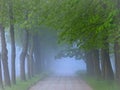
pixel 5 57
pixel 13 48
pixel 23 55
pixel 117 60
pixel 107 72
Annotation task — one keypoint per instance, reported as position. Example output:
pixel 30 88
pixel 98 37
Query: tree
pixel 117 60
pixel 23 55
pixel 28 66
pixel 1 80
pixel 30 62
pixel 89 63
pixel 37 54
pixel 96 63
pixel 13 48
pixel 117 44
pixel 86 23
pixel 4 57
pixel 31 49
pixel 107 71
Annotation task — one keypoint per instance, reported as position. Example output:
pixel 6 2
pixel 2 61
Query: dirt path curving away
pixel 61 83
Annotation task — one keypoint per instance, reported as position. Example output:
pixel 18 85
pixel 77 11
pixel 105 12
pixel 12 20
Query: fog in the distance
pixel 68 66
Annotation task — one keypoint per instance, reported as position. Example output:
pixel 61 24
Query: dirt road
pixel 61 83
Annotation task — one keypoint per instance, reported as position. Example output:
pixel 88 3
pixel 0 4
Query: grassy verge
pixel 27 84
pixel 99 84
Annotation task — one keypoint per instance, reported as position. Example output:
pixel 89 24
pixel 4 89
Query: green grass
pixel 20 85
pixel 101 84
pixel 98 84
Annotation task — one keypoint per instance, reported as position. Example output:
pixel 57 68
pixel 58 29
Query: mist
pixel 49 48
pixel 60 40
pixel 68 66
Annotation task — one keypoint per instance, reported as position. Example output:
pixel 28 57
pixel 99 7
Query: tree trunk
pixel 92 62
pixel 89 63
pixel 107 72
pixel 23 55
pixel 31 57
pixel 28 66
pixel 13 55
pixel 33 62
pixel 30 62
pixel 96 61
pixel 1 80
pixel 32 66
pixel 37 55
pixel 5 57
pixel 117 60
pixel 13 49
pixel 117 51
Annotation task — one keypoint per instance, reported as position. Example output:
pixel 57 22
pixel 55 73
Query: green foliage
pixel 28 14
pixel 4 13
pixel 19 35
pixel 85 23
pixel 71 52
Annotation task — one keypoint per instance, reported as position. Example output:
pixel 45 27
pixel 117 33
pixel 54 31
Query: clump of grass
pixel 98 84
pixel 20 85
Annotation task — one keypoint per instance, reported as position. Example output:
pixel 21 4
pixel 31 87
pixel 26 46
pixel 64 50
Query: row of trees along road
pixel 90 25
pixel 22 20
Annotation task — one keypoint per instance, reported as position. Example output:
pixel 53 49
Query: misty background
pixel 49 50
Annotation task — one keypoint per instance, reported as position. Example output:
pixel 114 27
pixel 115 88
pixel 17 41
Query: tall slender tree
pixel 23 55
pixel 117 45
pixel 37 54
pixel 31 57
pixel 30 61
pixel 13 48
pixel 5 57
pixel 1 80
pixel 117 60
pixel 28 66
